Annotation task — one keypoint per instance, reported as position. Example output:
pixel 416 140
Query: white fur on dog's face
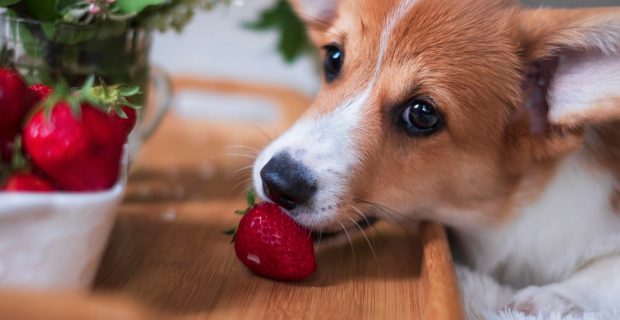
pixel 326 145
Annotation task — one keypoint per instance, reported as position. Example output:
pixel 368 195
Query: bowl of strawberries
pixel 63 169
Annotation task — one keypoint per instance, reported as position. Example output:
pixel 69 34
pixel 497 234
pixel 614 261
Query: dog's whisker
pixel 391 212
pixel 350 242
pixel 239 185
pixel 242 170
pixel 387 243
pixel 244 148
pixel 372 249
pixel 359 212
pixel 244 174
pixel 375 230
pixel 246 177
pixel 318 242
pixel 264 133
pixel 241 155
pixel 240 182
pixel 230 155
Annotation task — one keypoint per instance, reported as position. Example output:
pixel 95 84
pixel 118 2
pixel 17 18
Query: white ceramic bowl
pixel 55 241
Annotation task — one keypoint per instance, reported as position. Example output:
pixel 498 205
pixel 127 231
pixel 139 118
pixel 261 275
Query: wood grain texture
pixel 444 297
pixel 27 305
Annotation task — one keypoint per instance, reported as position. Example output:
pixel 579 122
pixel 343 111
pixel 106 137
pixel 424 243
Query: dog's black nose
pixel 287 182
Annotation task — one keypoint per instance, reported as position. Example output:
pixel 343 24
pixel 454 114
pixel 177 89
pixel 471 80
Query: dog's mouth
pixel 324 235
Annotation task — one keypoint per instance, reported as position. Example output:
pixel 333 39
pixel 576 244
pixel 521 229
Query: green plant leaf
pixel 293 41
pixel 44 10
pixel 31 45
pixel 62 5
pixel 68 34
pixel 136 6
pixel 6 3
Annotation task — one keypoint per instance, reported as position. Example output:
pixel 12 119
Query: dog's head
pixel 439 109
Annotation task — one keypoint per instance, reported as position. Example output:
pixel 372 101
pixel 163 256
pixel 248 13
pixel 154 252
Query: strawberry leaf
pixel 241 212
pixel 47 113
pixel 129 91
pixel 231 232
pixel 60 92
pixel 18 160
pixel 76 107
pixel 89 84
pixel 104 97
pixel 111 98
pixel 131 104
pixel 120 112
pixel 250 198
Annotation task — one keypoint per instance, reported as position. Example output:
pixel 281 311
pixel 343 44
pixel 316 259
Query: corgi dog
pixel 498 121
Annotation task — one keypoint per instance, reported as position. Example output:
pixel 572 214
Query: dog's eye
pixel 421 118
pixel 334 56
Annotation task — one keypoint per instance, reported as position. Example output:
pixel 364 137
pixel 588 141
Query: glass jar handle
pixel 162 101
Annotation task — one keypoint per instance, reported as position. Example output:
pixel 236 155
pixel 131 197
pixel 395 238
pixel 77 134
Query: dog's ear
pixel 573 74
pixel 318 15
pixel 316 11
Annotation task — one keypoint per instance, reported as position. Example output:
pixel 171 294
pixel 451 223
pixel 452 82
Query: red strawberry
pixel 15 98
pixel 271 244
pixel 79 154
pixel 27 182
pixel 126 125
pixel 6 145
pixel 15 102
pixel 40 92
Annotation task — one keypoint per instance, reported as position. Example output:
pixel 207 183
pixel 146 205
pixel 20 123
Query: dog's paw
pixel 535 301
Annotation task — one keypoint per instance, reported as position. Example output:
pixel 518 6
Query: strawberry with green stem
pixel 77 138
pixel 271 244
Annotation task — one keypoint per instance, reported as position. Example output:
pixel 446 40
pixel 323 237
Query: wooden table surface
pixel 168 257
